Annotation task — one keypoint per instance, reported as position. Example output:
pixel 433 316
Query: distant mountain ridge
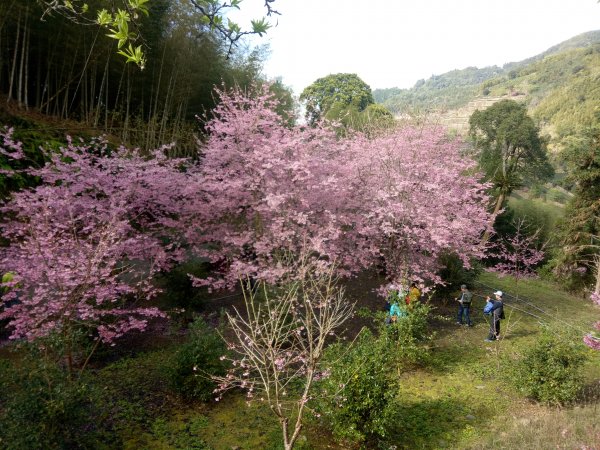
pixel 580 41
pixel 560 86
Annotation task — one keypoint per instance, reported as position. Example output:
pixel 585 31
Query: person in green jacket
pixel 464 306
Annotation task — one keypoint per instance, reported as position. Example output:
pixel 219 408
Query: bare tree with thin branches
pixel 280 338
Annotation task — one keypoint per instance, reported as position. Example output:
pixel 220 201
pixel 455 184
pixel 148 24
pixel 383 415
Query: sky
pixel 394 43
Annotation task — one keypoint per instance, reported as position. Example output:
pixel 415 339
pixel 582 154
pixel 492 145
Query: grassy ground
pixel 464 399
pixel 461 398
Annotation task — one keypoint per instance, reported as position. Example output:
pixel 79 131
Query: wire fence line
pixel 525 306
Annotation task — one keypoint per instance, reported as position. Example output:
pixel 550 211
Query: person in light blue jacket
pixel 395 310
pixel 494 309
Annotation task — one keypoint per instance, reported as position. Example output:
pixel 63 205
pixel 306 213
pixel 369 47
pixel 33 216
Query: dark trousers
pixel 464 310
pixel 494 328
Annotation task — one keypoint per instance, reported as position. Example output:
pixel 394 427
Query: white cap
pixel 499 293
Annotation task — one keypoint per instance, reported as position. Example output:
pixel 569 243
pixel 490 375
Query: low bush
pixel 354 398
pixel 197 360
pixel 43 409
pixel 551 370
pixel 407 338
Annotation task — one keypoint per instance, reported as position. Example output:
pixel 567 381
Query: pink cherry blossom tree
pixel 420 197
pixel 405 197
pixel 85 244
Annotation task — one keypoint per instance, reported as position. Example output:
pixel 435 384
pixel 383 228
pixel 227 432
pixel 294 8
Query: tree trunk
pixel 597 288
pixel 21 81
pixel 499 202
pixel 14 63
pixel 26 77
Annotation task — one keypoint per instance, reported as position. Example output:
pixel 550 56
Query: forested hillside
pixel 561 86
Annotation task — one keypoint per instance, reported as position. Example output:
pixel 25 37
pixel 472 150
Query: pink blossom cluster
pixel 592 339
pixel 86 242
pixel 518 255
pixel 404 197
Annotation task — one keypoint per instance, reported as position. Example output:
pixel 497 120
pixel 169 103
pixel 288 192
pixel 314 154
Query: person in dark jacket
pixel 495 309
pixel 464 306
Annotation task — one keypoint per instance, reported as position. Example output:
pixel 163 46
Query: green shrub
pixel 41 408
pixel 354 399
pixel 408 336
pixel 197 360
pixel 550 370
pixel 557 195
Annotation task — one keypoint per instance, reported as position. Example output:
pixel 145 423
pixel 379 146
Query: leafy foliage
pixel 580 231
pixel 341 90
pixel 197 361
pixel 355 396
pixel 79 76
pixel 407 338
pixel 124 17
pixel 357 393
pixel 550 371
pixel 509 146
pixel 43 409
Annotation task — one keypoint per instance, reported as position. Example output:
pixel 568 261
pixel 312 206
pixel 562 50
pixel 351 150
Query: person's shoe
pixel 458 323
pixel 489 340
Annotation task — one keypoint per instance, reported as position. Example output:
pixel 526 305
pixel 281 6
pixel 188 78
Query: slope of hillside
pixel 449 90
pixel 562 90
pixel 561 87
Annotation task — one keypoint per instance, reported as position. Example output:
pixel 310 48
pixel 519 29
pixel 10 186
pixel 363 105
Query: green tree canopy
pixel 372 120
pixel 509 148
pixel 580 231
pixel 341 89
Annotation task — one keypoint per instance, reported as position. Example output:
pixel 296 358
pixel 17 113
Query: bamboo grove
pixel 71 71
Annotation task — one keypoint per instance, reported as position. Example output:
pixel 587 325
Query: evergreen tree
pixel 580 231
